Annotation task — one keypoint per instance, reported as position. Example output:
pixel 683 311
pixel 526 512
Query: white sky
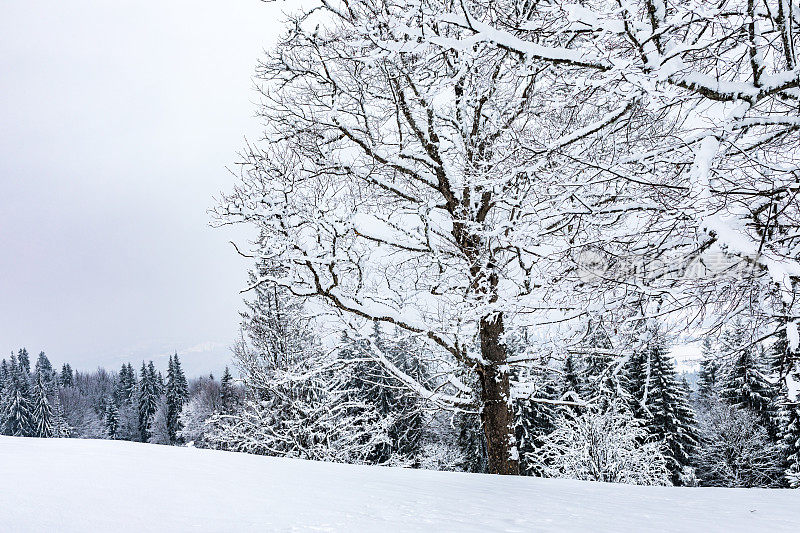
pixel 117 120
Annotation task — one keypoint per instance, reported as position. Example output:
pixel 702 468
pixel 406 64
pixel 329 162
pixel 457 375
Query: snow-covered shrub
pixel 610 446
pixel 734 450
pixel 441 456
pixel 193 419
pixel 304 414
pixel 158 428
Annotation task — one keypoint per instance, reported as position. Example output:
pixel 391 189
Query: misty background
pixel 117 122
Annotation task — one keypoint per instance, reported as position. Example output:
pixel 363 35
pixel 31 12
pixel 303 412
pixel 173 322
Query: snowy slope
pixel 86 485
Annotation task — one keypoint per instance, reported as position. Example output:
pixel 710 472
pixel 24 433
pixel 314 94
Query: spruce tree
pixel 111 419
pixel 5 376
pixel 744 384
pixel 120 395
pixel 371 383
pixel 126 385
pixel 4 373
pixel 17 415
pixel 66 378
pixel 790 437
pixel 45 368
pixel 24 361
pixel 17 412
pixel 572 384
pixel 708 380
pixel 42 423
pixel 60 426
pixel 227 395
pixel 602 385
pixel 148 399
pixel 636 381
pixel 177 394
pixel 661 402
pixel 471 443
pixel 534 419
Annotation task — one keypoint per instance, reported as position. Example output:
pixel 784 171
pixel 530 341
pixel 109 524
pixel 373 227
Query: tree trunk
pixel 497 418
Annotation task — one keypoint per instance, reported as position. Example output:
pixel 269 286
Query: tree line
pixel 595 414
pixel 143 406
pixel 610 409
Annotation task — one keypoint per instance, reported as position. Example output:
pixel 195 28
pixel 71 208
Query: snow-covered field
pixel 94 485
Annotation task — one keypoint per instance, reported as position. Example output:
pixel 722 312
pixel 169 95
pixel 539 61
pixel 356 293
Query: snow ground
pixel 95 485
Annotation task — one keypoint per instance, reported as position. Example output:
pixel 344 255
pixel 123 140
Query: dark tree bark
pixel 497 418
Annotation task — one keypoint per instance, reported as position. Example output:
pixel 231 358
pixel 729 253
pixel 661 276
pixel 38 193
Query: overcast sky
pixel 117 120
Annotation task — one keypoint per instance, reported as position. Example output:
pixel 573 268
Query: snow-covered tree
pixel 177 394
pixel 534 417
pixel 16 415
pixel 158 431
pixel 610 446
pixel 111 419
pixel 789 420
pixel 709 377
pixel 430 188
pixel 301 400
pixel 24 362
pixel 45 368
pixel 735 450
pixel 66 376
pixel 42 417
pixel 371 383
pixel 148 399
pixel 721 81
pixel 60 425
pixel 601 370
pixel 126 385
pixel 572 379
pixel 661 403
pixel 744 383
pixel 227 392
pixel 311 419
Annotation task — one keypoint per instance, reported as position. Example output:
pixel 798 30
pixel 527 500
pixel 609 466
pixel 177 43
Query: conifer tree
pixel 602 385
pixel 790 437
pixel 372 384
pixel 148 399
pixel 534 419
pixel 5 376
pixel 787 408
pixel 4 373
pixel 572 384
pixel 226 392
pixel 744 384
pixel 708 380
pixel 120 395
pixel 407 431
pixel 161 386
pixel 24 361
pixel 661 402
pixel 111 419
pixel 3 385
pixel 60 426
pixel 472 443
pixel 126 385
pixel 177 394
pixel 636 381
pixel 17 411
pixel 42 424
pixel 45 368
pixel 66 378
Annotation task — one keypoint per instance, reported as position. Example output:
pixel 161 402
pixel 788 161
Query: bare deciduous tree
pixel 429 188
